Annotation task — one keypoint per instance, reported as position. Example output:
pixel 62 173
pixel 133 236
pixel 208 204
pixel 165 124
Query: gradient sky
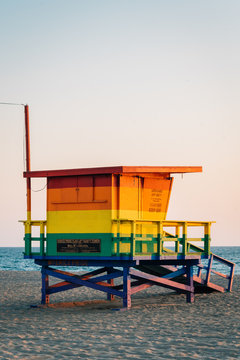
pixel 123 83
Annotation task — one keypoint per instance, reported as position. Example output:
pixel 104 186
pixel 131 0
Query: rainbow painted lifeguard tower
pixel 114 218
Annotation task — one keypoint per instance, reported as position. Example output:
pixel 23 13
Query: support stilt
pixel 45 285
pixel 110 297
pixel 190 294
pixel 126 288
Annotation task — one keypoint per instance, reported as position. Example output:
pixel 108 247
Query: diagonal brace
pixel 161 281
pixel 79 281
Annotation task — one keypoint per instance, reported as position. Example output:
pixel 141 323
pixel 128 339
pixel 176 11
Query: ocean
pixel 11 258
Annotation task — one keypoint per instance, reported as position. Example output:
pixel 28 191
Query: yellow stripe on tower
pixel 88 221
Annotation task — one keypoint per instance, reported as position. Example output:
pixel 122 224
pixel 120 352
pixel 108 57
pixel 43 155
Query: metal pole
pixel 28 165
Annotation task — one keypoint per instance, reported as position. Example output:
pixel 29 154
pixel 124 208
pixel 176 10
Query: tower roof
pixel 114 170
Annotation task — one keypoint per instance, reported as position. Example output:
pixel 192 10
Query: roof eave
pixel 114 170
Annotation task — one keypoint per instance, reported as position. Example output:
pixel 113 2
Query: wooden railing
pixel 209 271
pixel 136 241
pixel 29 239
pixel 158 236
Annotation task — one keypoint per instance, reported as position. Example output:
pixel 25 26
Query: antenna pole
pixel 28 165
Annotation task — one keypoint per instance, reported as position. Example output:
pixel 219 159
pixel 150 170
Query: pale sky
pixel 123 83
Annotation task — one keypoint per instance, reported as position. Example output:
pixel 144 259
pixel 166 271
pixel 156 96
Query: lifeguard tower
pixel 114 219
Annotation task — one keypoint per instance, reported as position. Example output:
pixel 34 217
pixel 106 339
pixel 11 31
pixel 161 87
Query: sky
pixel 147 82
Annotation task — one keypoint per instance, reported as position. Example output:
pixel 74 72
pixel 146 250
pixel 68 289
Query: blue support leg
pixel 126 288
pixel 190 294
pixel 110 297
pixel 45 296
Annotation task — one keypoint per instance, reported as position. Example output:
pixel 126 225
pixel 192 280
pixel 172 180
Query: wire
pixel 39 189
pixel 17 104
pixel 6 103
pixel 24 155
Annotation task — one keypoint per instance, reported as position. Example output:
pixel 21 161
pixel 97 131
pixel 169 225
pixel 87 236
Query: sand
pixel 160 325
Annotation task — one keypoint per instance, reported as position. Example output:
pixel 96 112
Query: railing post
pixel 207 238
pixel 133 231
pixel 42 238
pixel 114 241
pixel 209 270
pixel 160 237
pixel 118 237
pixel 184 239
pixel 177 240
pixel 28 238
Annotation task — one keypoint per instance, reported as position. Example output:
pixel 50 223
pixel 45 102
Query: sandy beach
pixel 160 325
